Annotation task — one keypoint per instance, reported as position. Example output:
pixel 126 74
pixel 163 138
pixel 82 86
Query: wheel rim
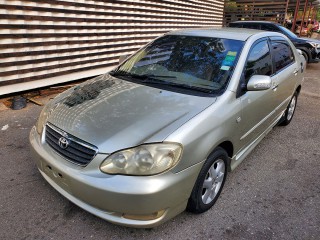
pixel 213 181
pixel 291 108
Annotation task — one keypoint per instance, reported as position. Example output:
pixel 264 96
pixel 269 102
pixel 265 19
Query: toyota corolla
pixel 159 133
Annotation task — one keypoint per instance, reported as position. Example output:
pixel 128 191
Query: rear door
pixel 287 70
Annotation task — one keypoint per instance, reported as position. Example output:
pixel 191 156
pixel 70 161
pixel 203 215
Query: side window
pixel 259 61
pixel 237 25
pixel 268 27
pixel 251 25
pixel 282 54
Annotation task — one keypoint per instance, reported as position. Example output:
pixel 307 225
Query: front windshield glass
pixel 198 64
pixel 288 32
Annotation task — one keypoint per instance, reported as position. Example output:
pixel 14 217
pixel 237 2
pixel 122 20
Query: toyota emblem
pixel 63 142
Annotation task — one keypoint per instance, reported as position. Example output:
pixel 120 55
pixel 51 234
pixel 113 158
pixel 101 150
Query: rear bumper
pixel 114 198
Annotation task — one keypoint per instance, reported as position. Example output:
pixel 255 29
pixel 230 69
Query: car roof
pixel 269 22
pixel 220 32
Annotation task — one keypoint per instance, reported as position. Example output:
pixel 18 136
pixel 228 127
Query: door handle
pixel 275 86
pixel 295 72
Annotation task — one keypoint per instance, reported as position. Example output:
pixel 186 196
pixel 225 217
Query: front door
pixel 257 106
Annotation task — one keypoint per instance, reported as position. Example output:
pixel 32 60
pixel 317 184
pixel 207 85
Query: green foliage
pixel 230 5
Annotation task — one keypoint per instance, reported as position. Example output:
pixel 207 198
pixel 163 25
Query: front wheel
pixel 288 115
pixel 306 57
pixel 209 182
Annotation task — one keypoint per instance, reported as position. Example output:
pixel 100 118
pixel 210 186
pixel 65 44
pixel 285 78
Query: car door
pixel 257 106
pixel 287 70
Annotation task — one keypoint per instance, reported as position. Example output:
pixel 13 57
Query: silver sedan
pixel 159 133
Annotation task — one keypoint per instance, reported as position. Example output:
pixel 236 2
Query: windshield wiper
pixel 192 87
pixel 143 76
pixel 126 74
pixel 178 85
pixel 156 79
pixel 159 76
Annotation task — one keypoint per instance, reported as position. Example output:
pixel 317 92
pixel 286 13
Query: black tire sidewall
pixel 285 121
pixel 195 203
pixel 305 55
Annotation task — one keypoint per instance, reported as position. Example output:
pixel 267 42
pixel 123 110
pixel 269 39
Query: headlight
pixel 315 45
pixel 147 159
pixel 45 114
pixel 42 120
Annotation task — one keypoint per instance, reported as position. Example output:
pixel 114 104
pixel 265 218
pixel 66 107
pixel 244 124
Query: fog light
pixel 151 216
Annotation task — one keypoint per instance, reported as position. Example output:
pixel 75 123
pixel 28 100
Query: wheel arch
pixel 307 52
pixel 298 89
pixel 228 147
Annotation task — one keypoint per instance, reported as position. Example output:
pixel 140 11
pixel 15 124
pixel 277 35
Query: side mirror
pixel 122 58
pixel 259 83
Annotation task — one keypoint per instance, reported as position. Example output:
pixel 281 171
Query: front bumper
pixel 114 197
pixel 315 54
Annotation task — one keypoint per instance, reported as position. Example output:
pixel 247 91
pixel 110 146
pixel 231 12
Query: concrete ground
pixel 273 194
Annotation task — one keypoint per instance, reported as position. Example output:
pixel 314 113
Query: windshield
pixel 200 64
pixel 287 32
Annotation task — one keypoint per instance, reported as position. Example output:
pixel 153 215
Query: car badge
pixel 63 142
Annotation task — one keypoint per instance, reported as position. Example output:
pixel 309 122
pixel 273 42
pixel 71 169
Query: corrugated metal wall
pixel 43 42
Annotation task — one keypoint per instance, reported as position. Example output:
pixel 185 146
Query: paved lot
pixel 273 194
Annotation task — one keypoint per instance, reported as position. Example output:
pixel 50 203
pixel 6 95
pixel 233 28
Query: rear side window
pixel 237 25
pixel 269 27
pixel 251 25
pixel 282 54
pixel 259 61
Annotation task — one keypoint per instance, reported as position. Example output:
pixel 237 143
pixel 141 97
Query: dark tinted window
pixel 288 33
pixel 282 54
pixel 269 27
pixel 259 61
pixel 251 25
pixel 237 25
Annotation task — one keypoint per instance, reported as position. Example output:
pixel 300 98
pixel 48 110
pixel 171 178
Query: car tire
pixel 209 183
pixel 288 115
pixel 306 57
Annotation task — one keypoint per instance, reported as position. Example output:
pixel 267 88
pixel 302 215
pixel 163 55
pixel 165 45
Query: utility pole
pixel 295 16
pixel 304 14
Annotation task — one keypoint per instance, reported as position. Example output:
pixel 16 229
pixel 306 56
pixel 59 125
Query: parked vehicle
pixel 309 47
pixel 306 29
pixel 158 134
pixel 303 31
pixel 315 25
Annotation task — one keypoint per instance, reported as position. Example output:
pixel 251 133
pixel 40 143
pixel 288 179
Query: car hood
pixel 311 40
pixel 114 114
pixel 304 40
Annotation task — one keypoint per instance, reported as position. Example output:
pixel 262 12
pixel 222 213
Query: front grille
pixel 76 150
